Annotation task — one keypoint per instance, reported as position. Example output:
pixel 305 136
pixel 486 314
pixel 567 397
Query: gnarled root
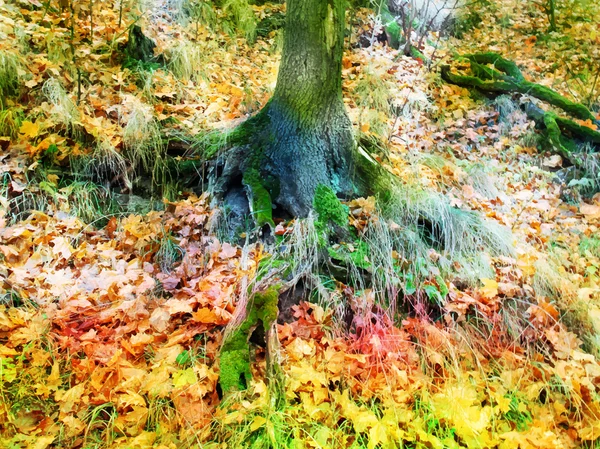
pixel 490 73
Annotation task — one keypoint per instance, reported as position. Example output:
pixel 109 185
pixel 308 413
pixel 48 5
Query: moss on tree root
pixel 260 199
pixel 491 73
pixel 235 353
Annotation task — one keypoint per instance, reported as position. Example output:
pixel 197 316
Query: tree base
pixel 280 160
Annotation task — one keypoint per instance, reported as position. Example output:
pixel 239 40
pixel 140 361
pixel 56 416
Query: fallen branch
pixel 493 74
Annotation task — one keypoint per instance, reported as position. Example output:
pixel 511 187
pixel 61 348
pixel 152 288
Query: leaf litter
pixel 109 335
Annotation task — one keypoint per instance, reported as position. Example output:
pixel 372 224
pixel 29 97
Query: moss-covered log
pixel 493 74
pixel 505 77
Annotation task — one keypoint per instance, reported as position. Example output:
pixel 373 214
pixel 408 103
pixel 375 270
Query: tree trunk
pixel 312 140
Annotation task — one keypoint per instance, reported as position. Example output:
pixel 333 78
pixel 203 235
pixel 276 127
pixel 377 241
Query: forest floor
pixel 112 314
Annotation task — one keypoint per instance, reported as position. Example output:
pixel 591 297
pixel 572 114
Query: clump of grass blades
pixel 10 122
pixel 590 171
pixel 64 110
pixel 141 135
pixel 19 376
pixel 412 244
pixel 552 280
pixel 373 98
pixel 101 425
pixel 11 69
pixel 282 428
pixel 199 12
pixel 506 107
pixel 168 254
pixel 88 201
pixel 426 220
pixel 482 180
pixel 242 16
pixel 104 165
pixel 17 205
pixel 83 199
pixel 186 61
pixel 234 16
pixel 161 414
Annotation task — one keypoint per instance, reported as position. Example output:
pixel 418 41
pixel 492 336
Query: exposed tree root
pixel 493 74
pixel 235 351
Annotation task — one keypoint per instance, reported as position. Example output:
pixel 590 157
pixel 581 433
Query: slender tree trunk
pixel 311 139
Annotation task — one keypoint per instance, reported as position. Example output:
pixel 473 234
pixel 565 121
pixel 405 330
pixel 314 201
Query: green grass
pixel 142 139
pixel 100 430
pixel 168 254
pixel 83 199
pixel 105 165
pixel 372 96
pixel 89 202
pixel 10 122
pixel 230 16
pixel 590 244
pixel 417 221
pixel 242 17
pixel 188 61
pixel 11 70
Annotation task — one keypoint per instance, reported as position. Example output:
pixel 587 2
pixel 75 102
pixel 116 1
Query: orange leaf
pixel 206 316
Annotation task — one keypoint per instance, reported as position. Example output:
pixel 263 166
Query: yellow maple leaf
pixel 257 423
pixel 489 289
pixel 30 129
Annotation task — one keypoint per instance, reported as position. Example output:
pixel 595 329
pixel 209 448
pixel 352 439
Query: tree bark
pixel 311 140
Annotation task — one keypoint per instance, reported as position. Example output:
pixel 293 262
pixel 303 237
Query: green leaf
pixel 184 358
pixel 433 293
pixel 409 284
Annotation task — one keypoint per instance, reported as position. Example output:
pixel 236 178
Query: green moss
pixel 552 129
pixel 265 305
pixel 329 208
pixel 506 77
pixel 576 129
pixel 262 208
pixel 356 254
pixel 235 353
pixel 210 144
pixel 505 65
pixel 546 94
pixel 235 369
